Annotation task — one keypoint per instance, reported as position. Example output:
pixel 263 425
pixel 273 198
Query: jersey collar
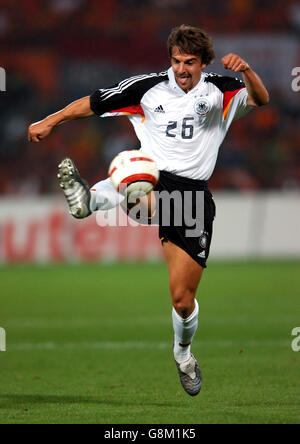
pixel 174 86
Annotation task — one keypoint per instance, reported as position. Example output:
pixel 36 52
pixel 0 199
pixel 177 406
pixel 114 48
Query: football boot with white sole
pixel 76 190
pixel 190 375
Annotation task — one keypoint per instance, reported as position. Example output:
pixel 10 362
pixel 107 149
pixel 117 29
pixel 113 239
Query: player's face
pixel 187 69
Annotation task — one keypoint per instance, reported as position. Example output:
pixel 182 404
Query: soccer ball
pixel 133 173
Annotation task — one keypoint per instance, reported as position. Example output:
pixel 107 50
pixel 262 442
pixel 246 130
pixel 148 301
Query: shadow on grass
pixel 12 401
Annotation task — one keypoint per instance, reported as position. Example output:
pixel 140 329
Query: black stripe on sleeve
pixel 129 92
pixel 224 83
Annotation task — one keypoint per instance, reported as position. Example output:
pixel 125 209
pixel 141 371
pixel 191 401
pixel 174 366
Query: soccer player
pixel 181 117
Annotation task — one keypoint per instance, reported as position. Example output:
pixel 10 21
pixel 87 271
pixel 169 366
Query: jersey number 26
pixel 187 131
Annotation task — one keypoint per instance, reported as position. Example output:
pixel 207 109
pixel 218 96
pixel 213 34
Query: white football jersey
pixel 181 131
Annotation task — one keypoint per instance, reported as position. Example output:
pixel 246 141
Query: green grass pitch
pixel 93 344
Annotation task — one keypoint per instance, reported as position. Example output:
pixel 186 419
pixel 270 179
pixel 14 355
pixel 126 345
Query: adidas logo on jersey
pixel 159 109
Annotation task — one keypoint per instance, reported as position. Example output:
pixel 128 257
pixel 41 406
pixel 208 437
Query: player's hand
pixel 235 63
pixel 38 131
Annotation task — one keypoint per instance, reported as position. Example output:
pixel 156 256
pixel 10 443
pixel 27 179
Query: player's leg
pixel 184 277
pixel 75 189
pixel 104 196
pixel 81 200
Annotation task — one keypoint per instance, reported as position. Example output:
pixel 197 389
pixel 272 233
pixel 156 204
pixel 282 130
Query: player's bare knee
pixel 183 302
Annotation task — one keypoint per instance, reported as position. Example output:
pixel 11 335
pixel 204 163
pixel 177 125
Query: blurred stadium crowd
pixel 55 51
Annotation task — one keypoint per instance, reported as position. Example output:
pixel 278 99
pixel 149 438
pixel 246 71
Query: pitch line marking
pixel 140 345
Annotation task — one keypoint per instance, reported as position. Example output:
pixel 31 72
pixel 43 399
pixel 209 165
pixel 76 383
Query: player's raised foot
pixel 75 189
pixel 190 376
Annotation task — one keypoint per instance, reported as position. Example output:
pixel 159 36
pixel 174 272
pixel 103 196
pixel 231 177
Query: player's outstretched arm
pixel 76 110
pixel 257 93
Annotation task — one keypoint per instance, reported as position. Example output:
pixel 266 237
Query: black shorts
pixel 197 245
pixel 174 225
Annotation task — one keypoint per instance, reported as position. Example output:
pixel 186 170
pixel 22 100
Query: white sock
pixel 184 332
pixel 104 196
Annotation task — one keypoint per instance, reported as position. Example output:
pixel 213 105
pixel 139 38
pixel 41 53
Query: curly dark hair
pixel 192 40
